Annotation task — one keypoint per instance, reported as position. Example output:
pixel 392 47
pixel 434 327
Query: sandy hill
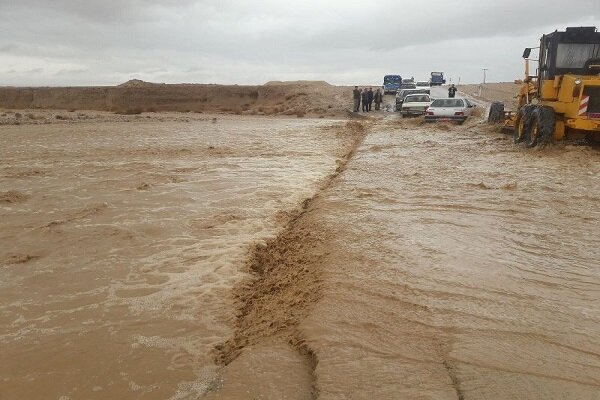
pixel 135 96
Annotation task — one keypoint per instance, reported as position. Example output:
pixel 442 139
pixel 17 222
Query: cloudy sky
pixel 90 42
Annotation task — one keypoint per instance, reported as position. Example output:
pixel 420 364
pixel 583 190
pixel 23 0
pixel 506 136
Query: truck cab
pixel 437 78
pixel 391 84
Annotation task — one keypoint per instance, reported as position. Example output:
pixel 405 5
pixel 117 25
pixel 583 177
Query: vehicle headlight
pixel 578 81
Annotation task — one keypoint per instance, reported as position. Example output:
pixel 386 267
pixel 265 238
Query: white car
pixel 449 110
pixel 423 85
pixel 415 104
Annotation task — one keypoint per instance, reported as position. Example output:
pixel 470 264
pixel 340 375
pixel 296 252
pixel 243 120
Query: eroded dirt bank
pixel 134 97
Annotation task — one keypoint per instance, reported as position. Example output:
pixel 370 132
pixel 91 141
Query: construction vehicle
pixel 562 100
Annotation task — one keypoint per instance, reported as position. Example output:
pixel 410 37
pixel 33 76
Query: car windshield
pixel 447 103
pixel 409 86
pixel 391 79
pixel 436 74
pixel 416 99
pixel 422 84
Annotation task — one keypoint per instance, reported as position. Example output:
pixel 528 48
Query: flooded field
pixel 121 242
pixel 296 258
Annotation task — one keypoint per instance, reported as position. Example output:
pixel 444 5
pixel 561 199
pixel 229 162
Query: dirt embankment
pixel 134 97
pixel 502 91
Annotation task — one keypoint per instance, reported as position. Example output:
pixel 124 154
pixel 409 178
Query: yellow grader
pixel 562 100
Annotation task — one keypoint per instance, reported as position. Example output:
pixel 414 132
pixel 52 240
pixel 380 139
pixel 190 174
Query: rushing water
pixel 447 263
pixel 119 245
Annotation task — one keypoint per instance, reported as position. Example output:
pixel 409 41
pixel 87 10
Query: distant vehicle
pixel 437 79
pixel 449 110
pixel 405 92
pixel 424 85
pixel 415 104
pixel 391 83
pixel 408 85
pixel 408 80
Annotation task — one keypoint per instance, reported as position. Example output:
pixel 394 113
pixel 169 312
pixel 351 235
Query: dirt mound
pixel 299 98
pixel 502 91
pixel 136 83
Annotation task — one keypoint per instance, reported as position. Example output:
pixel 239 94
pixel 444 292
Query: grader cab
pixel 562 100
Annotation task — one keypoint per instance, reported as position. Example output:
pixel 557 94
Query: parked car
pixel 424 85
pixel 415 104
pixel 405 92
pixel 449 110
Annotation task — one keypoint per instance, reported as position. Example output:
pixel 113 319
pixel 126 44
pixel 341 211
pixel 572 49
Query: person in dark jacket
pixel 356 96
pixel 378 97
pixel 452 90
pixel 365 100
pixel 370 98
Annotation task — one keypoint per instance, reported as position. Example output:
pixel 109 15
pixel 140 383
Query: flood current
pixel 286 258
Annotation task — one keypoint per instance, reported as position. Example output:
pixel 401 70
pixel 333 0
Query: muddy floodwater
pixel 272 258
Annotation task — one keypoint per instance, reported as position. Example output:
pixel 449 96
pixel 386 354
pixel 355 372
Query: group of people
pixel 367 97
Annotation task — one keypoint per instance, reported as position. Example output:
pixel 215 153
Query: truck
pixel 391 83
pixel 437 78
pixel 561 100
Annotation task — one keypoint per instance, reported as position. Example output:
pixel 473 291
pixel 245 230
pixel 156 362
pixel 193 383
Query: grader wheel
pixel 543 122
pixel 523 123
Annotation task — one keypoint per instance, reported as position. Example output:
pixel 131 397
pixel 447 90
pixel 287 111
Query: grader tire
pixel 496 114
pixel 543 122
pixel 523 124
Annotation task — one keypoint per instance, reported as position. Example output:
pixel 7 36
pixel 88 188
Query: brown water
pixel 437 262
pixel 462 267
pixel 120 244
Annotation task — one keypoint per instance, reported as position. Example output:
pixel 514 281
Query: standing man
pixel 365 100
pixel 452 90
pixel 370 98
pixel 356 96
pixel 378 99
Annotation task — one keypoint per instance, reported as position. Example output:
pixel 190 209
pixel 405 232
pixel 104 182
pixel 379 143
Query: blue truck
pixel 391 83
pixel 437 78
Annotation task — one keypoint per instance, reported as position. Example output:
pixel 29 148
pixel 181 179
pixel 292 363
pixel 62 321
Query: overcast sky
pixel 90 42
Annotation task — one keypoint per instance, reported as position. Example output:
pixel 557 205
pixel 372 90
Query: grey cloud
pixel 230 41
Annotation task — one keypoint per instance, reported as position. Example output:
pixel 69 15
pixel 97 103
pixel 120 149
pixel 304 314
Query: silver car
pixel 449 110
pixel 415 104
pixel 405 92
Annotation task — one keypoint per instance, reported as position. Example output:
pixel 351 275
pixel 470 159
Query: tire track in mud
pixel 285 274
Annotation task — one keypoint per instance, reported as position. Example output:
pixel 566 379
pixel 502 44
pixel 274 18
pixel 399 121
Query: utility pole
pixel 481 85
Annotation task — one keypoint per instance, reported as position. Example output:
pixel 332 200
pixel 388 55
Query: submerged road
pixel 460 266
